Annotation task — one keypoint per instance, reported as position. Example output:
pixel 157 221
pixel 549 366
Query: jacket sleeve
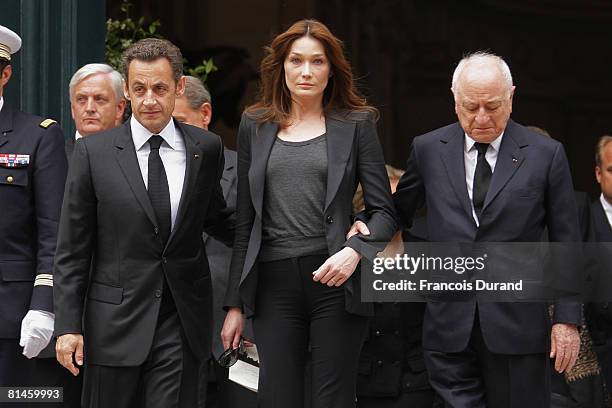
pixel 562 223
pixel 49 176
pixel 76 240
pixel 410 193
pixel 220 219
pixel 373 177
pixel 245 214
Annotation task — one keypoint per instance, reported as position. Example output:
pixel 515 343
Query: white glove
pixel 36 332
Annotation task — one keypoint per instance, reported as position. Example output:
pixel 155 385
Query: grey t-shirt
pixel 294 200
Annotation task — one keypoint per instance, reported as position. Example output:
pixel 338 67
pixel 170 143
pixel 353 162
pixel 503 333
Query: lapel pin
pixel 196 156
pixel 514 160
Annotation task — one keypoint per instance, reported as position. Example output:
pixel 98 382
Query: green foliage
pixel 120 34
pixel 203 70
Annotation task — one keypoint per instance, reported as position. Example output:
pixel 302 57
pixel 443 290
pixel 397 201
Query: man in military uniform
pixel 32 176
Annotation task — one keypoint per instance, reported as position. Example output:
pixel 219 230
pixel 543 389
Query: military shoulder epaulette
pixel 46 123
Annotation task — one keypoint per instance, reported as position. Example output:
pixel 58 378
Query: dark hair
pixel 3 64
pixel 274 103
pixel 601 144
pixel 151 49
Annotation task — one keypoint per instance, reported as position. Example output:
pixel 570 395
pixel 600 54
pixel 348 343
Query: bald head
pixel 483 90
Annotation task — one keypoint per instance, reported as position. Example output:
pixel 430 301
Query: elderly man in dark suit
pixel 488 179
pixel 96 101
pixel 194 107
pixel 133 292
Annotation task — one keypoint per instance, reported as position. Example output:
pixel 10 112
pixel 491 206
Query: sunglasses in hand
pixel 230 356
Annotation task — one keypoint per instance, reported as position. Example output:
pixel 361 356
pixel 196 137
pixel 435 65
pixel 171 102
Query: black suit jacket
pixel 531 189
pixel 107 217
pixel 601 225
pixel 354 156
pixel 219 257
pixel 30 201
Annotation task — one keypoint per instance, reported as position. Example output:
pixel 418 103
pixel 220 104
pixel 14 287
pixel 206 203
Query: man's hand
pixel 337 268
pixel 564 346
pixel 358 227
pixel 36 332
pixel 67 346
pixel 232 328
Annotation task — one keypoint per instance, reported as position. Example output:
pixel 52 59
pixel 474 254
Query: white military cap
pixel 10 43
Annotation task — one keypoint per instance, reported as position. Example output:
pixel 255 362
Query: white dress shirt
pixel 172 153
pixel 1 103
pixel 470 157
pixel 607 208
pixel 77 135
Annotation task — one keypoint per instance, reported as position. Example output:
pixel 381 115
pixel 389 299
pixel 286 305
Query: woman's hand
pixel 337 268
pixel 232 328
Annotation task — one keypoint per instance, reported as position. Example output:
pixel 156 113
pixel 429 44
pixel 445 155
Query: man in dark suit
pixel 137 200
pixel 96 101
pixel 194 107
pixel 602 208
pixel 601 213
pixel 32 176
pixel 489 179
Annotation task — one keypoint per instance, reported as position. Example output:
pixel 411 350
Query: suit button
pixel 329 219
pixel 10 179
pixel 397 333
pixel 379 363
pixel 377 333
pixel 164 260
pixel 158 293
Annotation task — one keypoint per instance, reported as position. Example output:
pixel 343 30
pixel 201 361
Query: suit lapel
pixel 340 135
pixel 193 162
pixel 454 162
pixel 125 153
pixel 6 123
pixel 261 146
pixel 509 159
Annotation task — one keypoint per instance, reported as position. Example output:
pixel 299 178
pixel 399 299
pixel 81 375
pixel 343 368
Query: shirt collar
pixel 141 135
pixel 469 142
pixel 1 103
pixel 77 135
pixel 606 206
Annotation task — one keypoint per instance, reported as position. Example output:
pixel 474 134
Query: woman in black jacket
pixel 302 150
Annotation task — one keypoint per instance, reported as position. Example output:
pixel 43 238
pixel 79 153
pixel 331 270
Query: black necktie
pixel 482 178
pixel 158 190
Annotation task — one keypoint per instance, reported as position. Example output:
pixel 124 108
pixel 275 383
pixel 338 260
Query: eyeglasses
pixel 230 356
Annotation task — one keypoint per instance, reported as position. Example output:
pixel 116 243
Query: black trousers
pixel 168 378
pixel 478 378
pixel 292 313
pixel 18 371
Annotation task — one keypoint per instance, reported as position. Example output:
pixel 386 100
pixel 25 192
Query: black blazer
pixel 601 225
pixel 354 156
pixel 531 189
pixel 107 217
pixel 220 256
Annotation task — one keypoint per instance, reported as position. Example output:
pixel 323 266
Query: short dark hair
pixel 3 64
pixel 151 49
pixel 601 144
